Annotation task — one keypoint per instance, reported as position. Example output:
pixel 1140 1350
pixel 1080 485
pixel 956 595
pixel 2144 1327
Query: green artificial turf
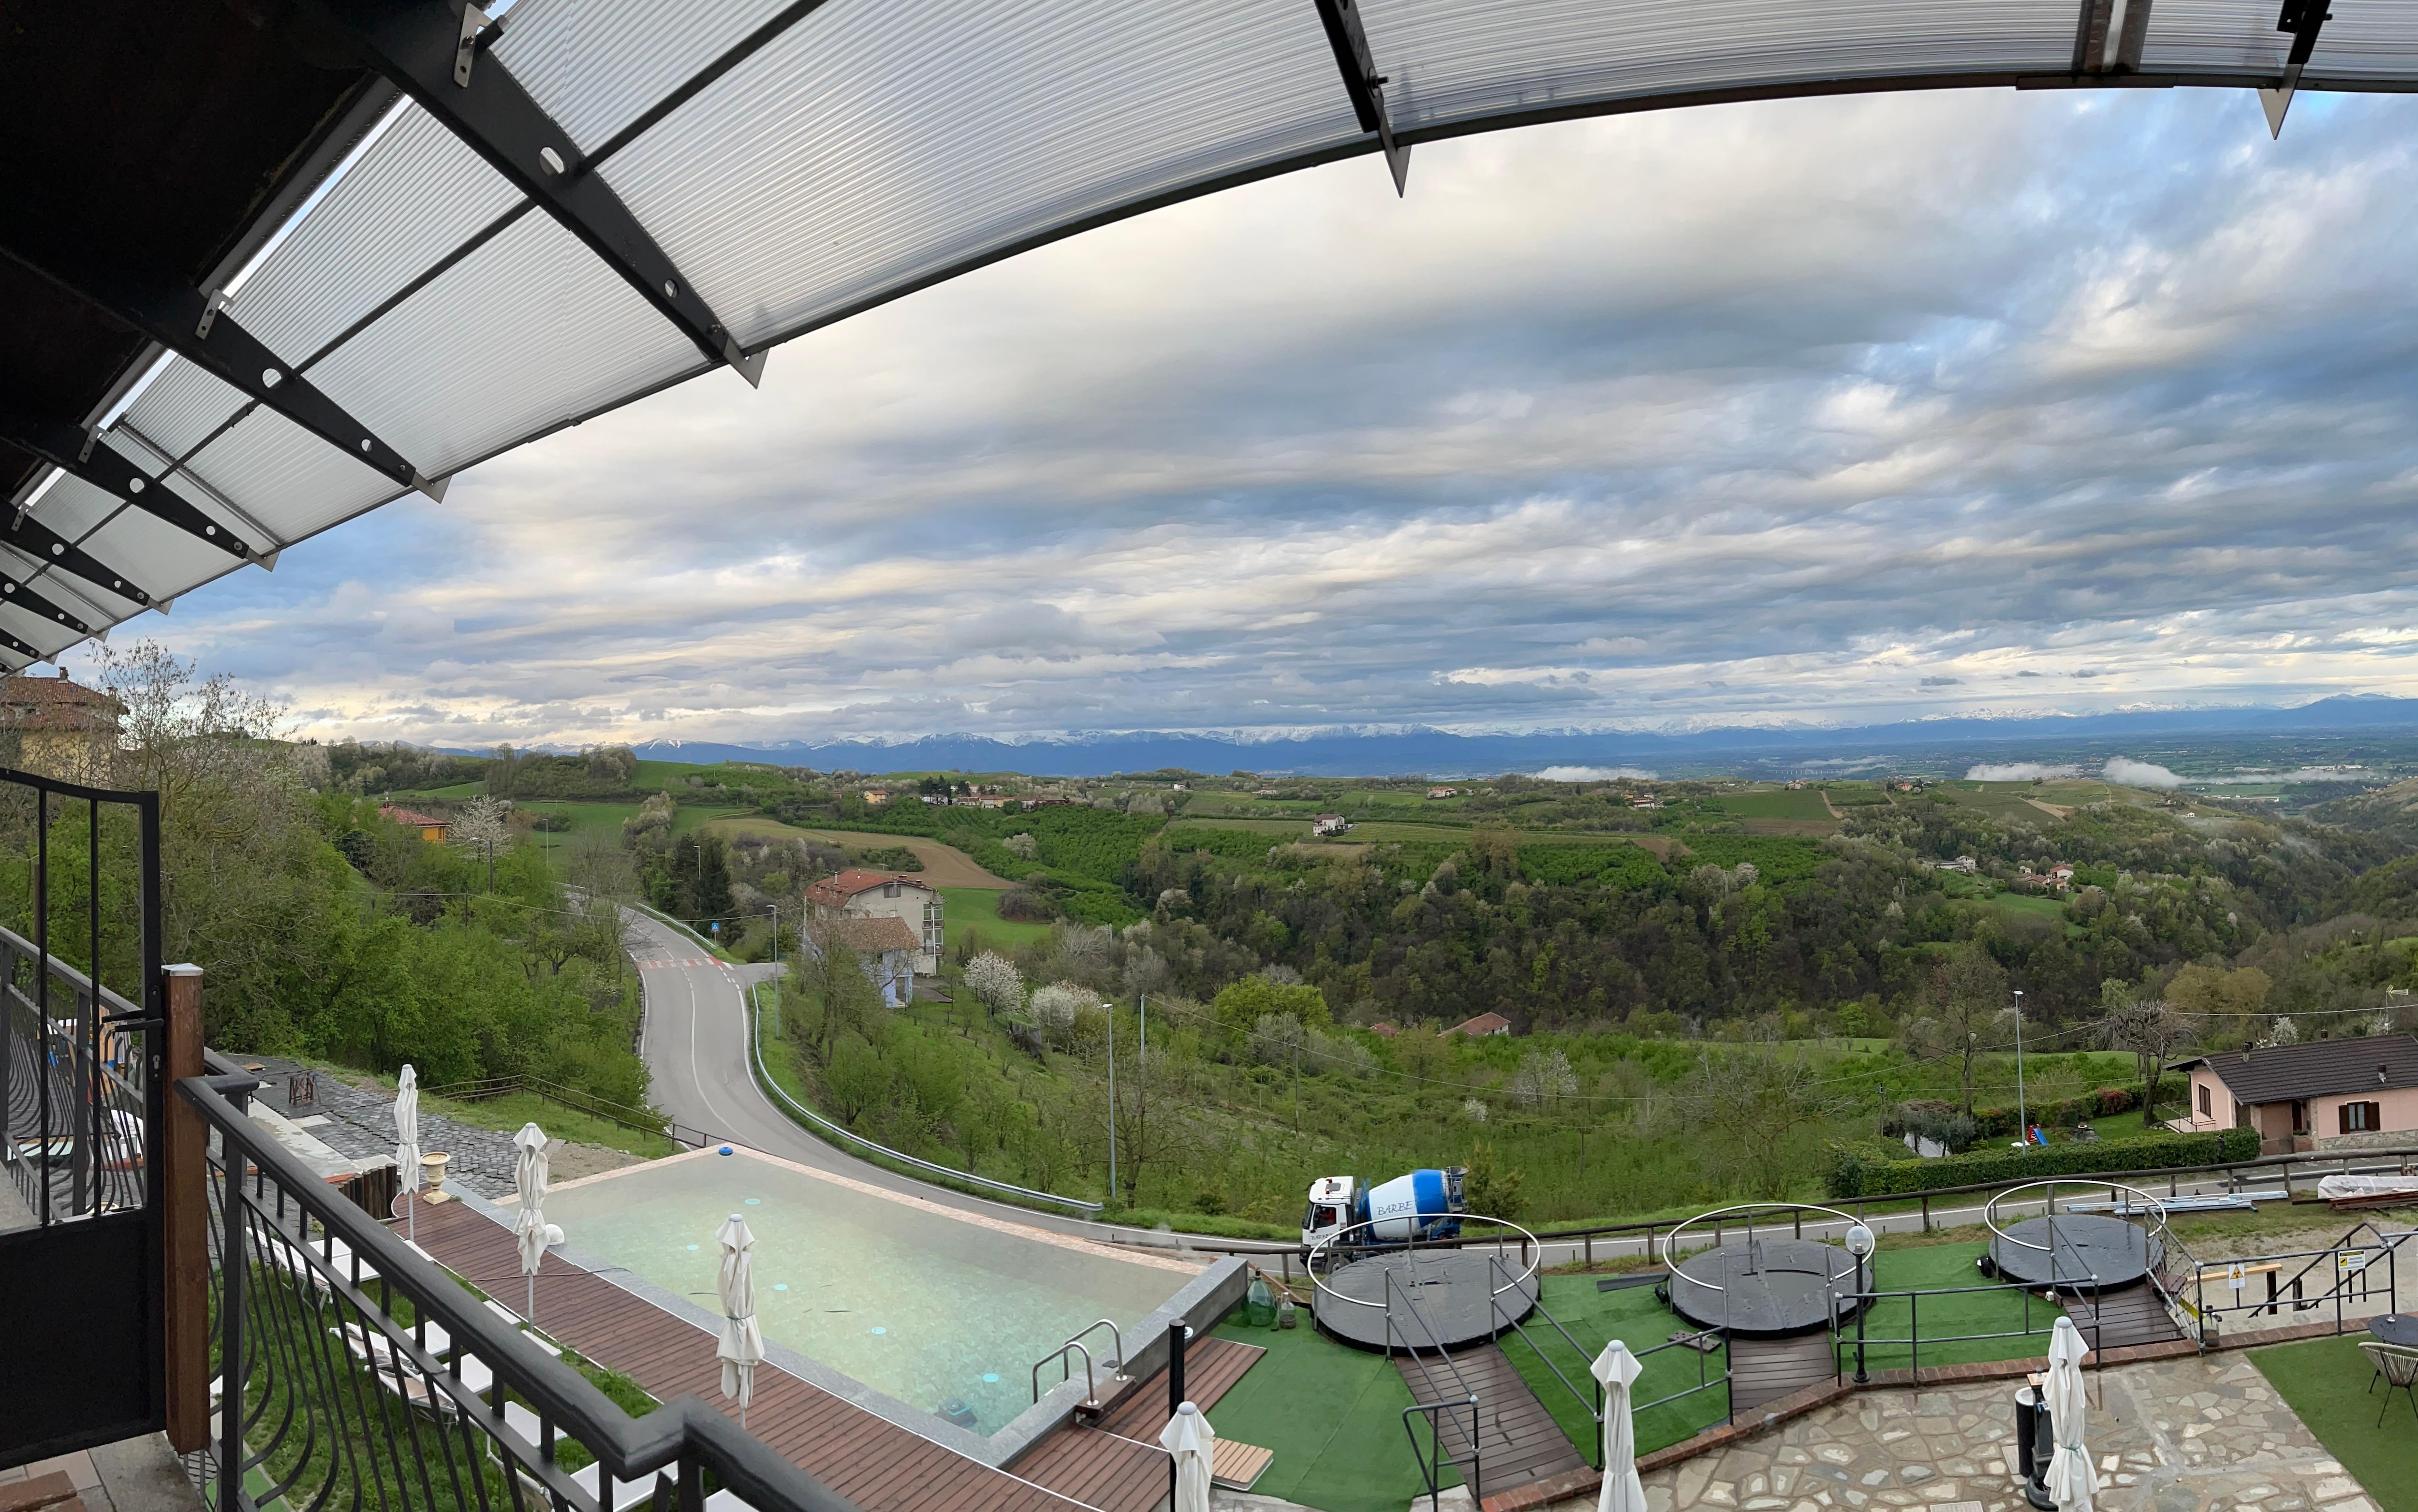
pixel 1332 1415
pixel 1595 1317
pixel 2325 1381
pixel 1633 1314
pixel 1945 1267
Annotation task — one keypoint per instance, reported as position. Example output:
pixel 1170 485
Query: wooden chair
pixel 2397 1364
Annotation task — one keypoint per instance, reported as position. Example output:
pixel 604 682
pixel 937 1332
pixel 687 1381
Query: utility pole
pixel 1110 1009
pixel 2022 1114
pixel 490 842
pixel 776 970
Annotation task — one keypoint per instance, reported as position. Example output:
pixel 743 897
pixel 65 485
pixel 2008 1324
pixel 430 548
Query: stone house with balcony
pixel 2325 1094
pixel 909 900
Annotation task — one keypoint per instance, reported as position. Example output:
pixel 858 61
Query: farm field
pixel 598 824
pixel 945 866
pixel 1778 804
pixel 971 912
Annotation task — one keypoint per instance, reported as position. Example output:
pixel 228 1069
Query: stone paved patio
pixel 2190 1435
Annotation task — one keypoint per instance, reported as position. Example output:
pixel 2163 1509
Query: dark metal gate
pixel 83 1069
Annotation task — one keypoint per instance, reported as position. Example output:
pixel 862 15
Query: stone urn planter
pixel 432 1176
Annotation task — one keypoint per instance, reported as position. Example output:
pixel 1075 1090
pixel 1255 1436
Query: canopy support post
pixel 2302 19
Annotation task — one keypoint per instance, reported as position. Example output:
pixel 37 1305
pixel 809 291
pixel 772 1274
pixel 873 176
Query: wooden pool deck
pixel 877 1464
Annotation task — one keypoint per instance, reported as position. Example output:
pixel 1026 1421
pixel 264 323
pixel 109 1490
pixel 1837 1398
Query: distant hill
pixel 1347 752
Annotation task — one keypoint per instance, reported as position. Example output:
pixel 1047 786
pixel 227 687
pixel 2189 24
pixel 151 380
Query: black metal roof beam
pixel 44 544
pixel 23 650
pixel 80 455
pixel 1362 80
pixel 14 590
pixel 192 325
pixel 2302 20
pixel 435 51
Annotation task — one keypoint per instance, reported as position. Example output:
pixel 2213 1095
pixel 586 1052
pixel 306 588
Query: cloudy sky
pixel 1832 411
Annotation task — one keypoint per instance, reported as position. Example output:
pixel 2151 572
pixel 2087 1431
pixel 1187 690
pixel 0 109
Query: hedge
pixel 1999 1123
pixel 1854 1173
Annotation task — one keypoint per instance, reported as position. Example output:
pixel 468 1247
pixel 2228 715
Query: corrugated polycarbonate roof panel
pixel 159 555
pixel 876 144
pixel 414 196
pixel 598 65
pixel 72 507
pixel 178 411
pixel 527 332
pixel 1458 60
pixel 2372 40
pixel 287 479
pixel 36 630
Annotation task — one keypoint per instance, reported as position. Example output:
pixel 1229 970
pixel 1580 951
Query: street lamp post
pixel 2023 1113
pixel 1110 1009
pixel 776 970
pixel 1860 1245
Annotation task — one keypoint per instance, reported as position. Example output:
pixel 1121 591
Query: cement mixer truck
pixel 1424 1204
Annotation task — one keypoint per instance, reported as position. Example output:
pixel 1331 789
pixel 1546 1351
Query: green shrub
pixel 2105 1102
pixel 1855 1173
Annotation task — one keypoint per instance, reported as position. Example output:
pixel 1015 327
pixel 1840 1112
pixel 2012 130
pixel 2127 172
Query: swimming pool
pixel 925 1305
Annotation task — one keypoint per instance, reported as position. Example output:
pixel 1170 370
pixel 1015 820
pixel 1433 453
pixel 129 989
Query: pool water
pixel 920 1306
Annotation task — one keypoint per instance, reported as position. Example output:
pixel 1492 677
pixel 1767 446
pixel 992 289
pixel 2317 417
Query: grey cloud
pixel 1937 381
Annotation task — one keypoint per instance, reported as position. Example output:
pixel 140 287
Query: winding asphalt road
pixel 695 1046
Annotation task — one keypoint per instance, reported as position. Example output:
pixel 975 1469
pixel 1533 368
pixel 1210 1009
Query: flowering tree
pixel 996 981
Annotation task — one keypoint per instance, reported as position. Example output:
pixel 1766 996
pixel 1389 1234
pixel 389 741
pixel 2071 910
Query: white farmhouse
pixel 893 922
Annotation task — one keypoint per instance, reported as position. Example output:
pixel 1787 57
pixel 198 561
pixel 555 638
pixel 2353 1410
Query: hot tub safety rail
pixel 350 1371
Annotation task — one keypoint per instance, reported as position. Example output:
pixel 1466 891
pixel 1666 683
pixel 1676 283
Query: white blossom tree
pixel 996 981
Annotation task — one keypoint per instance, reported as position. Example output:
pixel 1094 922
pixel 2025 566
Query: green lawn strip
pixel 1948 1267
pixel 1633 1314
pixel 1593 1318
pixel 509 1112
pixel 976 909
pixel 2326 1382
pixel 1332 1415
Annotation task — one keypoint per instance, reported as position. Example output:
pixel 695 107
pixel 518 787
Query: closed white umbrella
pixel 742 1342
pixel 1190 1439
pixel 2071 1478
pixel 1619 1369
pixel 530 1231
pixel 406 1146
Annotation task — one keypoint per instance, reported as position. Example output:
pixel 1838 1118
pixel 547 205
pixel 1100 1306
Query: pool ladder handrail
pixel 1074 1341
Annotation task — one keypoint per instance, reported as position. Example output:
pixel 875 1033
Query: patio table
pixel 2395 1328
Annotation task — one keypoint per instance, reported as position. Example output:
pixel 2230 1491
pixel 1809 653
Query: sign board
pixel 2234 1277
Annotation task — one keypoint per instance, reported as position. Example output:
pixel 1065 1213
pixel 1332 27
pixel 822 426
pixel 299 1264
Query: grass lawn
pixel 1921 1267
pixel 2039 907
pixel 1334 1417
pixel 510 1112
pixel 977 909
pixel 2325 1381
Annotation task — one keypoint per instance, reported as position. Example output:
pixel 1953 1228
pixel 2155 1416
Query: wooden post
pixel 185 1224
pixel 1926 1212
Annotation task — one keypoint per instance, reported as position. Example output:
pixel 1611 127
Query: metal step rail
pixel 1592 1404
pixel 1717 1219
pixel 2349 1276
pixel 1091 1386
pixel 1432 1460
pixel 1914 1338
pixel 1431 1464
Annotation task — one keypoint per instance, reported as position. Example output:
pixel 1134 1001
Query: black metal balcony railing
pixel 369 1378
pixel 77 1100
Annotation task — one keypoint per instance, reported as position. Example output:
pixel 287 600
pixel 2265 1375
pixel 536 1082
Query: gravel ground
pixel 360 1121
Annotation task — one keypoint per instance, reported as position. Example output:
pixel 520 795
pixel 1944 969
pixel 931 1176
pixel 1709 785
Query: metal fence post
pixel 186 1219
pixel 231 1274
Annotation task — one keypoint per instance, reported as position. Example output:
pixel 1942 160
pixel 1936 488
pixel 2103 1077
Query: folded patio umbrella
pixel 1619 1369
pixel 2071 1477
pixel 742 1342
pixel 530 1229
pixel 1190 1437
pixel 407 1145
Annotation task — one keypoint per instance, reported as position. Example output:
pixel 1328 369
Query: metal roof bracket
pixel 2302 19
pixel 421 47
pixel 1366 86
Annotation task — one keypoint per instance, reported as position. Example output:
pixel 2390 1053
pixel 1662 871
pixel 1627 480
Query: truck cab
pixel 1333 1203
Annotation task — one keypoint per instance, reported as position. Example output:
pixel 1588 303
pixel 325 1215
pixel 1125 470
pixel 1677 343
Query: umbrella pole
pixel 531 1313
pixel 412 1216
